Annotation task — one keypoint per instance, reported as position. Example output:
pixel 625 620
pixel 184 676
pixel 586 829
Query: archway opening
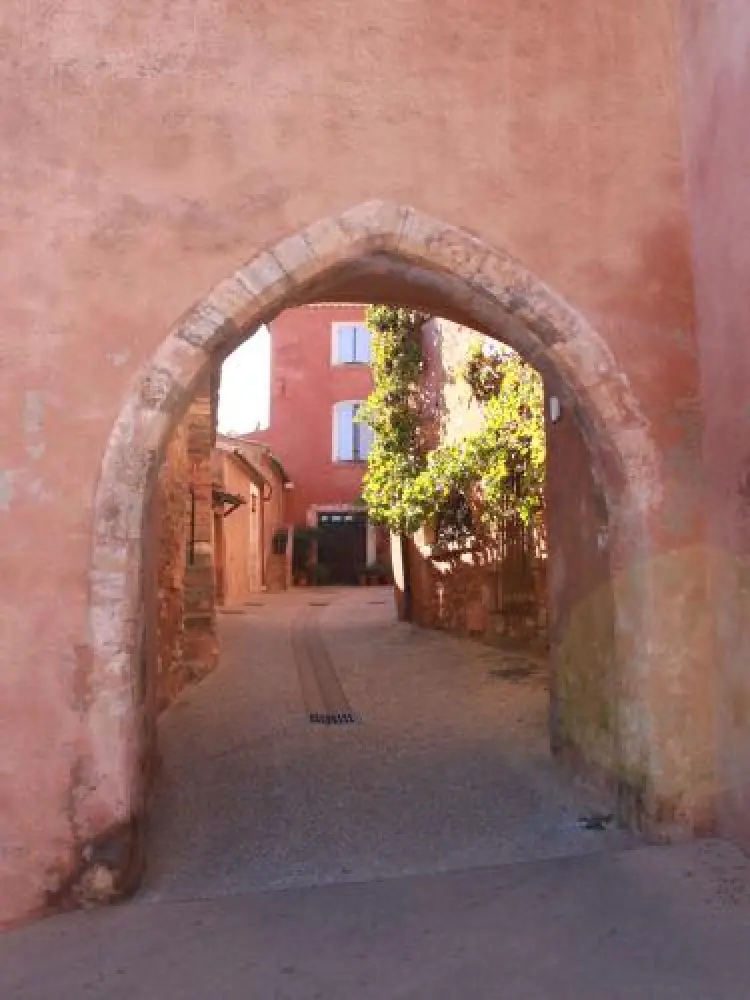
pixel 390 254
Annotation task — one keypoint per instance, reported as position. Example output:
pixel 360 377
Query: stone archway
pixel 481 282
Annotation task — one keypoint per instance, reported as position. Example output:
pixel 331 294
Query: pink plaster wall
pixel 149 149
pixel 305 385
pixel 716 55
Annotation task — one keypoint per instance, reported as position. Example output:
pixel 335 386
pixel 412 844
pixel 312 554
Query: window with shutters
pixel 352 440
pixel 350 344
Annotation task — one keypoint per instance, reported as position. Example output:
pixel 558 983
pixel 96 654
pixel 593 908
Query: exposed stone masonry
pixel 186 642
pixel 200 645
pixel 172 505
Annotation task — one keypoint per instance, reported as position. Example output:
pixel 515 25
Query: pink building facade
pixel 320 375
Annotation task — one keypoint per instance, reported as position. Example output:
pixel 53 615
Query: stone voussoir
pixel 427 240
pixel 376 226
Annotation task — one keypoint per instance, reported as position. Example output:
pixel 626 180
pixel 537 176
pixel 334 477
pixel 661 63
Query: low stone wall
pixel 461 594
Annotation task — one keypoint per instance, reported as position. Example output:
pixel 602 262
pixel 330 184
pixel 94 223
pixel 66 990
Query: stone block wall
pixel 185 646
pixel 171 504
pixel 200 644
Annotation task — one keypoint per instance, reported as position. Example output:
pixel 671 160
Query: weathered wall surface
pixel 149 149
pixel 581 605
pixel 305 385
pixel 447 399
pixel 200 645
pixel 451 592
pixel 183 598
pixel 716 55
pixel 171 506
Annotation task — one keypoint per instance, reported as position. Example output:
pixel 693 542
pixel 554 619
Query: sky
pixel 244 395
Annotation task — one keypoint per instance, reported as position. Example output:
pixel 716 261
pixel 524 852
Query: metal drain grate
pixel 324 699
pixel 596 821
pixel 337 719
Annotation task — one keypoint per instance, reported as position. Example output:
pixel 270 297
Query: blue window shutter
pixel 362 345
pixel 344 435
pixel 339 345
pixel 366 437
pixel 362 434
pixel 348 335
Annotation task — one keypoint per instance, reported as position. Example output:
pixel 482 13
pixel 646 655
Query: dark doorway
pixel 342 545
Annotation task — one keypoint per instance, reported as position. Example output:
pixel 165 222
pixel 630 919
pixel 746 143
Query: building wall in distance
pixel 305 385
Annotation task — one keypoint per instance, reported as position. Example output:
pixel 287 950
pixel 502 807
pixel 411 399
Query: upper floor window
pixel 352 440
pixel 351 344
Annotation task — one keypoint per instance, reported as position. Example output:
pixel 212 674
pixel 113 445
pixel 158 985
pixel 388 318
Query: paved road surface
pixel 429 850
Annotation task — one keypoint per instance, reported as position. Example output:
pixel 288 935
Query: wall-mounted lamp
pixel 555 411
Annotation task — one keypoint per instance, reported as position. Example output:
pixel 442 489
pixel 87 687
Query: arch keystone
pixel 374 225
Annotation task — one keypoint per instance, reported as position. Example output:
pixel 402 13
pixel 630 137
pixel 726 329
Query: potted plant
pixel 377 573
pixel 304 554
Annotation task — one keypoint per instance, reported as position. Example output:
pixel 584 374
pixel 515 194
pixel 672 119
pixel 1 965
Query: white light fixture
pixel 554 409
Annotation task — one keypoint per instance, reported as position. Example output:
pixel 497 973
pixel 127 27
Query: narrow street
pixel 445 768
pixel 353 807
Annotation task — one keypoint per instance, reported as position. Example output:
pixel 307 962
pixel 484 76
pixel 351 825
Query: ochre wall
pixel 150 149
pixel 171 508
pixel 179 559
pixel 716 59
pixel 242 532
pixel 200 645
pixel 275 509
pixel 447 401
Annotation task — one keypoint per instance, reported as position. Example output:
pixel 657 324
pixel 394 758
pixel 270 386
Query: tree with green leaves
pixel 406 485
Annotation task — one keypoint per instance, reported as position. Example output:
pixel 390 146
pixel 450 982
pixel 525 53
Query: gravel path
pixel 447 769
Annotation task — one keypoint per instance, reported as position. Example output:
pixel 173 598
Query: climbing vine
pixel 508 454
pixel 393 411
pixel 406 484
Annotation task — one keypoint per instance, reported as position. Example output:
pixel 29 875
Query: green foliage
pixel 392 411
pixel 508 454
pixel 404 487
